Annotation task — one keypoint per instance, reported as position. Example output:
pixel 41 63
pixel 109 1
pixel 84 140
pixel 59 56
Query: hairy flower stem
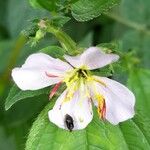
pixel 66 42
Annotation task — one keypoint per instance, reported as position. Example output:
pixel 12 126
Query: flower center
pixel 74 79
pixel 82 73
pixel 81 78
pixel 76 75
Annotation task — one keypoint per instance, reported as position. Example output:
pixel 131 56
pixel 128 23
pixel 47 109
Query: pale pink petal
pixel 92 58
pixel 55 115
pixel 119 100
pixel 41 60
pixel 32 79
pixel 75 61
pixel 39 70
pixel 79 109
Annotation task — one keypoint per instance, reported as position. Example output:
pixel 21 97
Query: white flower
pixel 73 109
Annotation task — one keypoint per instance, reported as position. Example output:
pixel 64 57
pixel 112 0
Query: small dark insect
pixel 69 122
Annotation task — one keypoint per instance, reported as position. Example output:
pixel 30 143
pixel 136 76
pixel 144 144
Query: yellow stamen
pixel 84 73
pixel 76 80
pixel 99 81
pixel 101 101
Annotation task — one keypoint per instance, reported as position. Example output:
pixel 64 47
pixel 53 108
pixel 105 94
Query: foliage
pixel 85 10
pixel 123 29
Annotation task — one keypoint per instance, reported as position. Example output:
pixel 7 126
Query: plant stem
pixel 13 58
pixel 141 28
pixel 66 42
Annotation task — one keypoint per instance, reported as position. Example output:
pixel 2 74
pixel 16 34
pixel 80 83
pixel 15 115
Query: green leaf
pixel 105 136
pixel 16 95
pixel 134 136
pixel 112 47
pixel 143 122
pixel 59 20
pixel 98 135
pixel 35 4
pixel 138 82
pixel 21 112
pixel 54 51
pixel 85 10
pixel 52 5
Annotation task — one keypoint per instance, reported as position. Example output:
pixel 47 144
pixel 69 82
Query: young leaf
pixel 85 10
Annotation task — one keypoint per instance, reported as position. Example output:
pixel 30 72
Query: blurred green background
pixel 128 24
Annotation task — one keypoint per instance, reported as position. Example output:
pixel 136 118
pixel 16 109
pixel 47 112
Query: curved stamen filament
pixel 101 107
pixel 84 74
pixel 103 111
pixel 50 75
pixel 54 90
pixel 77 80
pixel 99 81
